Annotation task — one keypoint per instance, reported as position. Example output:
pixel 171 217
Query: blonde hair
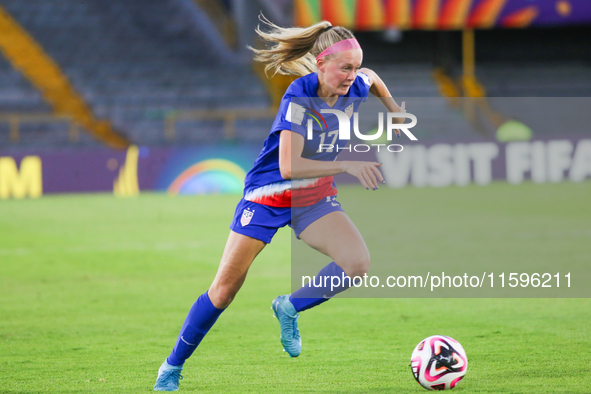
pixel 293 50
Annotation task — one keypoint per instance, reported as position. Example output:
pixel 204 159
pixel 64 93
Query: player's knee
pixel 222 296
pixel 356 264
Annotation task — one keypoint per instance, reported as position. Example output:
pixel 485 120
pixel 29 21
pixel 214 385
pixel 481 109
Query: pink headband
pixel 340 46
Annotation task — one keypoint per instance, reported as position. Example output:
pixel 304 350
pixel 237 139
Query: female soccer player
pixel 328 59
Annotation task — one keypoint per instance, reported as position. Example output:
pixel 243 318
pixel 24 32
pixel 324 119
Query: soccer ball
pixel 438 363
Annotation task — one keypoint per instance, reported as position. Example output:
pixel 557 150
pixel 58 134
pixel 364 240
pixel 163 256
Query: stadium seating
pixel 137 61
pixel 414 84
pixel 133 61
pixel 16 93
pixel 535 80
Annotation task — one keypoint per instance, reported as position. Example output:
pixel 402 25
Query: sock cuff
pixel 208 302
pixel 334 268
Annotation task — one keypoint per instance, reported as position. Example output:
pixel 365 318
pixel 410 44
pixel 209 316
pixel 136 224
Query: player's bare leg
pixel 239 253
pixel 334 235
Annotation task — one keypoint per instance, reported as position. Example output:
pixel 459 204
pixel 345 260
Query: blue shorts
pixel 262 222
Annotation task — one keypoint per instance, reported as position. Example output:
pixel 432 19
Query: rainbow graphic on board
pixel 211 176
pixel 363 15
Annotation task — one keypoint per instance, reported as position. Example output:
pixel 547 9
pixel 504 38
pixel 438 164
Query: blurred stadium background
pixel 97 77
pixel 131 96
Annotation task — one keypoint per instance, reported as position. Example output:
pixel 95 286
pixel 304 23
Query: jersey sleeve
pixel 291 115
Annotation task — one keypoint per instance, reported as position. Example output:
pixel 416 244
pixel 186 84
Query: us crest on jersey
pixel 246 217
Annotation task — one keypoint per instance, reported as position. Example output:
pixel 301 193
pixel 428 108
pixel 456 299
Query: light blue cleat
pixel 285 312
pixel 168 377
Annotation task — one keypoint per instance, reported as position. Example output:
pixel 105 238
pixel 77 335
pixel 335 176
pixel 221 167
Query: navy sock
pixel 201 318
pixel 315 293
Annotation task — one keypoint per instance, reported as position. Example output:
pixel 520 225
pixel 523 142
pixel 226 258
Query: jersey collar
pixel 313 92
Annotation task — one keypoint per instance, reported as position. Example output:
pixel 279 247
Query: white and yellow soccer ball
pixel 438 362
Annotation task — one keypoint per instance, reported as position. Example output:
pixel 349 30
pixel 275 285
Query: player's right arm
pixel 293 166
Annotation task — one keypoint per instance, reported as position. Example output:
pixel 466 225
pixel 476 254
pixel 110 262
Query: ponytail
pixel 293 50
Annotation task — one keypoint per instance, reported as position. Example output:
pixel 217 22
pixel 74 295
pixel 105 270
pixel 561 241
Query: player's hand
pixel 366 171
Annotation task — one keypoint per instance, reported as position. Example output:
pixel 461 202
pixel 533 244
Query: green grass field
pixel 93 291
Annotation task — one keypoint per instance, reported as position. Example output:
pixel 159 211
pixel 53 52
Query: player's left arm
pixel 379 89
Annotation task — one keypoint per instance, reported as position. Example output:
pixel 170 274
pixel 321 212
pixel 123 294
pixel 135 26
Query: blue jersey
pixel 264 184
